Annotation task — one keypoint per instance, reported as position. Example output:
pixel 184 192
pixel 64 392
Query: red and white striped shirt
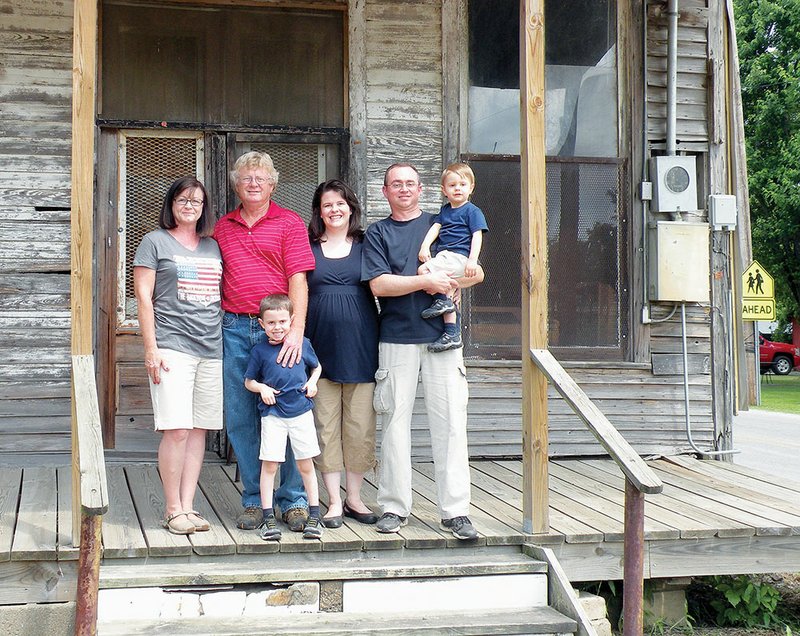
pixel 259 260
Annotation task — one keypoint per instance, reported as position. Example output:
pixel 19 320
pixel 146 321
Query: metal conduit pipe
pixel 672 75
pixel 645 171
pixel 686 394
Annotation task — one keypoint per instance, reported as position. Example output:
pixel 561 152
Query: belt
pixel 248 316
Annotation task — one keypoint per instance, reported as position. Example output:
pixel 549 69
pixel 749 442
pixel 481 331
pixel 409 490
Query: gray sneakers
pixel 445 342
pixel 461 527
pixel 313 529
pixel 390 522
pixel 439 307
pixel 269 530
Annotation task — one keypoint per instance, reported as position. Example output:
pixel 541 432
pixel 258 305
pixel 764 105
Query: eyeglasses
pixel 258 180
pixel 399 185
pixel 195 203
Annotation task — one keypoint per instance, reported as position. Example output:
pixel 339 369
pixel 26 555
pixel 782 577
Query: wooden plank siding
pixel 403 51
pixel 692 124
pixel 35 100
pixel 648 410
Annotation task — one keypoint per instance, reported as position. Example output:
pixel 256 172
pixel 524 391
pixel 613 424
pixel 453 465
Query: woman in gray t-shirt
pixel 176 273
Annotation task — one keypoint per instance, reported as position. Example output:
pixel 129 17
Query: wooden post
pixel 88 576
pixel 535 500
pixel 633 561
pixel 84 68
pixel 93 500
pixel 357 100
pixel 722 323
pixel 743 248
pixel 84 65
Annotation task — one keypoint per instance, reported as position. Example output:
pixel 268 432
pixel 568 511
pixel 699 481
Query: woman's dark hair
pixel 316 226
pixel 166 220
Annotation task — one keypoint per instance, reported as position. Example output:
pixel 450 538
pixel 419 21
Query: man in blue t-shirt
pixel 390 265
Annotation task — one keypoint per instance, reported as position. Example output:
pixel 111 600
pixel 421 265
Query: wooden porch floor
pixel 713 517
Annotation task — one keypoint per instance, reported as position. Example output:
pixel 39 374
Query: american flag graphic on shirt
pixel 198 279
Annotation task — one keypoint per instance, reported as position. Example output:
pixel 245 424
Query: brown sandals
pixel 192 521
pixel 200 524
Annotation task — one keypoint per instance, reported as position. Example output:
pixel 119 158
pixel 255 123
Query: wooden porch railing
pixel 639 479
pixel 89 490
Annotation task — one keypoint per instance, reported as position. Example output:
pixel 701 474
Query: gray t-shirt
pixel 188 317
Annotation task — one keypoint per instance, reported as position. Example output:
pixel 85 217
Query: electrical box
pixel 722 211
pixel 679 261
pixel 675 183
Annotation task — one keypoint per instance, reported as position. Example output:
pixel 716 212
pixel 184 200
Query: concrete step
pixel 538 620
pixel 369 597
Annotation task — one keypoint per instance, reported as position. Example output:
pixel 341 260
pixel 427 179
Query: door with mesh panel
pixel 586 239
pixel 148 163
pixel 302 164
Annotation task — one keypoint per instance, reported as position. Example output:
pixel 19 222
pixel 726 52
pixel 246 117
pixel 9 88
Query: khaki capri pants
pixel 345 422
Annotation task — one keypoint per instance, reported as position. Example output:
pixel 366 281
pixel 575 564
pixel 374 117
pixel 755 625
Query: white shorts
pixel 189 394
pixel 301 433
pixel 451 263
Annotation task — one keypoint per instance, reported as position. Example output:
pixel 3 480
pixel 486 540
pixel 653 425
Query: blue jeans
pixel 243 421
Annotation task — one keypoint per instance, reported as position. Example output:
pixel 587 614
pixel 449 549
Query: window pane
pixel 586 289
pixel 583 222
pixel 240 66
pixel 580 77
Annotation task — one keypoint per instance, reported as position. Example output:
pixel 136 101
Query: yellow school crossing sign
pixel 758 293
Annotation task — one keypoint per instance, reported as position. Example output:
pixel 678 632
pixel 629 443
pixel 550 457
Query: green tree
pixel 768 33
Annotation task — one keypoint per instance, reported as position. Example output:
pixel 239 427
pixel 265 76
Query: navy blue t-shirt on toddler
pixel 458 226
pixel 263 367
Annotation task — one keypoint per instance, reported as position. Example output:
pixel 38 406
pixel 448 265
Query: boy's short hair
pixel 275 302
pixel 462 170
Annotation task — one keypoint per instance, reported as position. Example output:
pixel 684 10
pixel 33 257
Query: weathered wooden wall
pixel 644 399
pixel 402 109
pixel 692 124
pixel 35 92
pixel 403 51
pixel 647 409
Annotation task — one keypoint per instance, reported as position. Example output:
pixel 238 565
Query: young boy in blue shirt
pixel 285 410
pixel 459 227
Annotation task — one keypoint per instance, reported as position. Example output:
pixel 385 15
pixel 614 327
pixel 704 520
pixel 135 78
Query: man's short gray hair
pixel 254 160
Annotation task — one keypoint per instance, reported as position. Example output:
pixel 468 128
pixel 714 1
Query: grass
pixel 781 393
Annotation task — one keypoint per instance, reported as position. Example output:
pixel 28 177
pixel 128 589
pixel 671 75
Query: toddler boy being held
pixel 459 228
pixel 285 410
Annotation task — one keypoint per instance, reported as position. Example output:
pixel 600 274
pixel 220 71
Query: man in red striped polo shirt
pixel 265 250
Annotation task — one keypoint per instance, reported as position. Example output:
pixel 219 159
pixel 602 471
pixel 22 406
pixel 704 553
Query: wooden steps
pixel 540 620
pixel 290 567
pixel 410 591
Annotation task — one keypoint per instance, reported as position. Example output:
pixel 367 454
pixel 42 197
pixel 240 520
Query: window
pixel 232 65
pixel 580 78
pixel 586 216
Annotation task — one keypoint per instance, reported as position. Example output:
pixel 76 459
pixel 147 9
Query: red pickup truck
pixel 778 357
